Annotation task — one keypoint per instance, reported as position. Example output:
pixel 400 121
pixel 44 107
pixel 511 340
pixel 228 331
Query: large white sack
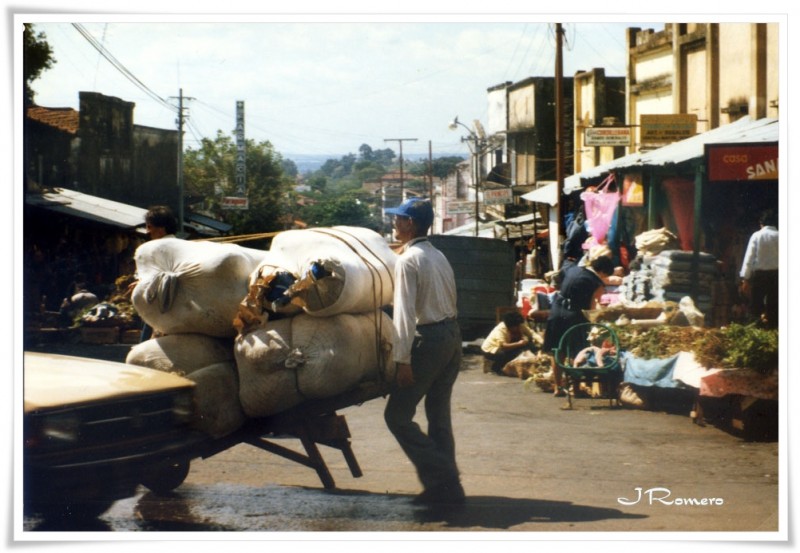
pixel 305 357
pixel 339 269
pixel 217 399
pixel 192 287
pixel 180 353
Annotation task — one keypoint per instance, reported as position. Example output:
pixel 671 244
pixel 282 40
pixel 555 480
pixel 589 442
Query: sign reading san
pixel 742 161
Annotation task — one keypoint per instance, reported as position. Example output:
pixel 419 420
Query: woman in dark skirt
pixel 581 289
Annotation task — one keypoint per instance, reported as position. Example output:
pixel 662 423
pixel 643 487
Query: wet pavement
pixel 528 466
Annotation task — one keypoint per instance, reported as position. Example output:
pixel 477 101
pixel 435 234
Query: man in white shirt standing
pixel 760 271
pixel 427 351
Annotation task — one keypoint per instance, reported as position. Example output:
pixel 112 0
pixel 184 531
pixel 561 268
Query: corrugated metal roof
pixel 547 194
pixel 209 222
pixel 72 202
pixel 486 230
pixel 743 130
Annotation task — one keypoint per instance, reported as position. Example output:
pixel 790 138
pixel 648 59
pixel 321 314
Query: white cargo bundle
pixel 304 357
pixel 192 287
pixel 339 269
pixel 217 399
pixel 181 353
pixel 209 362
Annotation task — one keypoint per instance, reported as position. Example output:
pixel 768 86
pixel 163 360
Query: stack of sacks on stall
pixel 189 292
pixel 637 286
pixel 311 325
pixel 675 278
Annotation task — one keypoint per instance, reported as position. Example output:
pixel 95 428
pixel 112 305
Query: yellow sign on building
pixel 665 128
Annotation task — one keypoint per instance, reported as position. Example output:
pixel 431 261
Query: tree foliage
pixel 345 209
pixel 209 173
pixel 337 193
pixel 37 56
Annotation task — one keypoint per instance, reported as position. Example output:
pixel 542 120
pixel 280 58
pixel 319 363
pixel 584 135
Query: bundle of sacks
pixel 189 292
pixel 329 285
pixel 262 331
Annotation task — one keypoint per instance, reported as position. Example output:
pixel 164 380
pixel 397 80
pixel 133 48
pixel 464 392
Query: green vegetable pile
pixel 734 346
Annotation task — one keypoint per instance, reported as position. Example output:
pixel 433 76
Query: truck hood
pixel 52 380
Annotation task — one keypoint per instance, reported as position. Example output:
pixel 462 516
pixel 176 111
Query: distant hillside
pixel 310 162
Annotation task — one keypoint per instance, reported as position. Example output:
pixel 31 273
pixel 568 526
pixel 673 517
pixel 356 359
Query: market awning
pixel 485 230
pixel 742 131
pixel 93 208
pixel 547 194
pixel 218 226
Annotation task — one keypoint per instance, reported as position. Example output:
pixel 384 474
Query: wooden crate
pixel 101 335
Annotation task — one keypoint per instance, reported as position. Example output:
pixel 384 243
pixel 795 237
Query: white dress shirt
pixel 762 252
pixel 424 293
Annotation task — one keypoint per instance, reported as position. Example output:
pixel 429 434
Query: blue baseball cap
pixel 418 209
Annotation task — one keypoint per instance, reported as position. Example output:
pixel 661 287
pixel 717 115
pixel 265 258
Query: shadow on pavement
pixel 503 513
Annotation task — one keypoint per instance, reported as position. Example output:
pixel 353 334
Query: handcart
pixel 589 354
pixel 314 422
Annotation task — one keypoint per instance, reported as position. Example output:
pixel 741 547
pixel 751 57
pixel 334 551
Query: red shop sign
pixel 738 162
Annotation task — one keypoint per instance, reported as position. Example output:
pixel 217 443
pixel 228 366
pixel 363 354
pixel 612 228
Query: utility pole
pixel 400 141
pixel 430 170
pixel 180 121
pixel 559 128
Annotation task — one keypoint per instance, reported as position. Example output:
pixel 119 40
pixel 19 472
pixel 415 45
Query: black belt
pixel 566 303
pixel 443 321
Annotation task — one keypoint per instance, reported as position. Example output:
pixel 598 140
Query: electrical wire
pixel 121 68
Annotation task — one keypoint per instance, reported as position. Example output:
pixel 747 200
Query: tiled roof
pixel 65 119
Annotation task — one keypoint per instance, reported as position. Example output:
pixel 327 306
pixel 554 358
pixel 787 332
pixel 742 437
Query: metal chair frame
pixel 609 374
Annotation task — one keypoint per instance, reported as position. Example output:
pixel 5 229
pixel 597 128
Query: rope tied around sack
pixel 377 288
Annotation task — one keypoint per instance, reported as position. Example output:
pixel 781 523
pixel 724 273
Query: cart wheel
pixel 166 477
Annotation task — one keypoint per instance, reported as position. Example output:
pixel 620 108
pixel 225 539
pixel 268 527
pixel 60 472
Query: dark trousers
pixel 764 297
pixel 435 361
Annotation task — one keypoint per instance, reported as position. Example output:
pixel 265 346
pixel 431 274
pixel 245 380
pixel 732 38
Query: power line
pixel 121 68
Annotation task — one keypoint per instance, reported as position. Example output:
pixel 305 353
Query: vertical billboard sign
pixel 240 150
pixel 239 201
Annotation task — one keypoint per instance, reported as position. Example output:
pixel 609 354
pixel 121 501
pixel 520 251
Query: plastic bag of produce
pixel 337 270
pixel 305 357
pixel 192 287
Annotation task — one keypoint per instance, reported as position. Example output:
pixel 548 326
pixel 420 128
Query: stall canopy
pixel 85 206
pixel 547 194
pixel 744 130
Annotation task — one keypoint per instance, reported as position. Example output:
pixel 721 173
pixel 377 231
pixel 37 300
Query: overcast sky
pixel 318 84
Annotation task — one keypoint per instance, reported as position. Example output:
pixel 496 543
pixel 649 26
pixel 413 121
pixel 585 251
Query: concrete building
pixel 98 150
pixel 709 73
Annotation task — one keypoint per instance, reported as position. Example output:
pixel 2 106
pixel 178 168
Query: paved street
pixel 528 466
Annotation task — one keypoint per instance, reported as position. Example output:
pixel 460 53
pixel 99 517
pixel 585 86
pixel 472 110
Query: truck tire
pixel 163 478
